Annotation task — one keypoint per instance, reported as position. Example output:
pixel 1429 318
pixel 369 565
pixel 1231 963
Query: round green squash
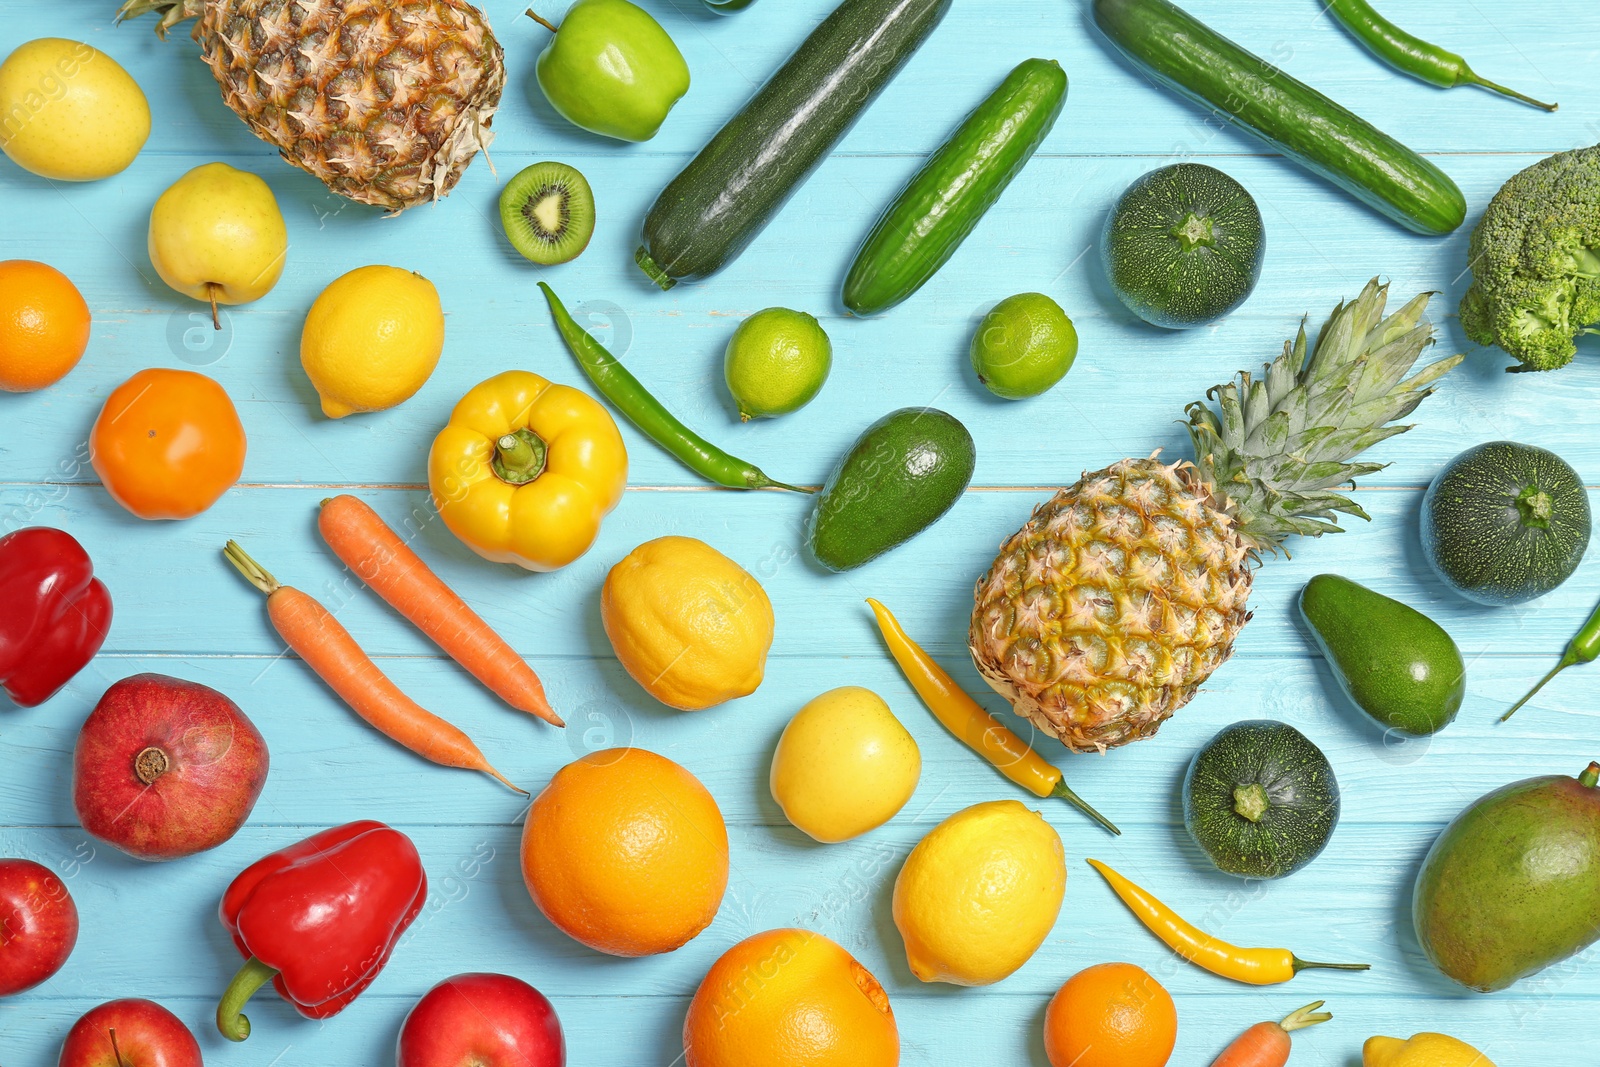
pixel 1184 246
pixel 1260 799
pixel 1504 523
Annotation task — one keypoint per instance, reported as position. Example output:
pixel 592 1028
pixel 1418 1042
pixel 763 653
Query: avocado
pixel 903 473
pixel 1510 887
pixel 1395 663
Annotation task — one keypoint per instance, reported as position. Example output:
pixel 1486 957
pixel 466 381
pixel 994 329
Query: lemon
pixel 1423 1050
pixel 1024 345
pixel 776 362
pixel 977 896
pixel 371 339
pixel 844 765
pixel 688 623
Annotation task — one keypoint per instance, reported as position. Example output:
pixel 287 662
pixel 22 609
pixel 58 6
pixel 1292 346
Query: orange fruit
pixel 1112 1015
pixel 44 325
pixel 626 852
pixel 789 998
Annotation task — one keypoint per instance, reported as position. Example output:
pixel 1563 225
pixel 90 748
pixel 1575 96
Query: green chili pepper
pixel 1583 648
pixel 620 387
pixel 1412 55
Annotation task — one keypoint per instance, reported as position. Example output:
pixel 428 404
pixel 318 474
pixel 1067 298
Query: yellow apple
pixel 217 235
pixel 69 112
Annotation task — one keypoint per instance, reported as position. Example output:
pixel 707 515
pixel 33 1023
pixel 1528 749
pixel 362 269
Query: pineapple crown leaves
pixel 1279 445
pixel 172 12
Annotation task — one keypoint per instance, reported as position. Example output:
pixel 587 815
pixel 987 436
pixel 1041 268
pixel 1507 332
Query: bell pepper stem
pixel 1064 791
pixel 519 457
pixel 251 976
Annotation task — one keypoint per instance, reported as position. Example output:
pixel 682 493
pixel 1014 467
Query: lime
pixel 1023 346
pixel 777 361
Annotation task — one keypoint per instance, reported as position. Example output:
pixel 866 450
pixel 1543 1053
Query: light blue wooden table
pixel 152 931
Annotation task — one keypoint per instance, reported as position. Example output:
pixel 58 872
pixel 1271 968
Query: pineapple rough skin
pixel 1114 602
pixel 384 101
pixel 1536 274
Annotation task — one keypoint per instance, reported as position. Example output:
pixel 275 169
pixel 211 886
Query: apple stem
pixel 231 1020
pixel 115 1051
pixel 211 294
pixel 541 21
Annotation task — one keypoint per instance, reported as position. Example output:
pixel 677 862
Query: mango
pixel 1391 660
pixel 1513 884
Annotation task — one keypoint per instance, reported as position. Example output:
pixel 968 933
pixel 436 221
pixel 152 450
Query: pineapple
pixel 1106 612
pixel 386 101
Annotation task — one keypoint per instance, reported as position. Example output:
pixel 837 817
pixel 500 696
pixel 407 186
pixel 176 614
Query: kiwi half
pixel 547 211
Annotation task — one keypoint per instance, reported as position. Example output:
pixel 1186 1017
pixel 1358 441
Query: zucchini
pixel 1260 799
pixel 1183 246
pixel 707 215
pixel 1504 522
pixel 936 210
pixel 1192 59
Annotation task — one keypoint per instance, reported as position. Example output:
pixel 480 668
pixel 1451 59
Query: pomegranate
pixel 166 768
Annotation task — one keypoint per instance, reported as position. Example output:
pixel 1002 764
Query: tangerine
pixel 626 852
pixel 44 325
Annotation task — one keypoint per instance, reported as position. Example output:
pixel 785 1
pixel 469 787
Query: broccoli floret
pixel 1536 262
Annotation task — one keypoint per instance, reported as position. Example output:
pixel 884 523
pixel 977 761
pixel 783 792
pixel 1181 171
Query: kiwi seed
pixel 547 211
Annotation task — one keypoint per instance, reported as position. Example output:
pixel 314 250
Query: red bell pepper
pixel 55 612
pixel 319 919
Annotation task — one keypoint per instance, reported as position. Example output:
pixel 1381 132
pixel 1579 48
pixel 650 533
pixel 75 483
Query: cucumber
pixel 902 474
pixel 1192 59
pixel 1183 246
pixel 706 215
pixel 938 208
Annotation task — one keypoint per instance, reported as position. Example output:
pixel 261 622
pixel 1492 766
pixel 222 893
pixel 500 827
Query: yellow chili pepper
pixel 525 470
pixel 976 727
pixel 1253 966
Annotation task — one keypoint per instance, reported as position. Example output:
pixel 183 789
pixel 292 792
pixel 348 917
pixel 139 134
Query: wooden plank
pixel 328 766
pixel 1112 110
pixel 1351 905
pixel 980 1028
pixel 928 581
pixel 1124 396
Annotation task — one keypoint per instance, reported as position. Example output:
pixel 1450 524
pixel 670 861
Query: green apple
pixel 612 69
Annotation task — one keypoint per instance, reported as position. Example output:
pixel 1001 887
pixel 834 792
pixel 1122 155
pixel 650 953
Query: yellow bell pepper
pixel 525 470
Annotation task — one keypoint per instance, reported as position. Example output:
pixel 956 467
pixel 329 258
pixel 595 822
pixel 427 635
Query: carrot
pixel 1267 1044
pixel 329 650
pixel 378 556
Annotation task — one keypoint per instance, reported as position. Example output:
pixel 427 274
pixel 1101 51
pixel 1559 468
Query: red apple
pixel 481 1020
pixel 38 925
pixel 166 768
pixel 129 1033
